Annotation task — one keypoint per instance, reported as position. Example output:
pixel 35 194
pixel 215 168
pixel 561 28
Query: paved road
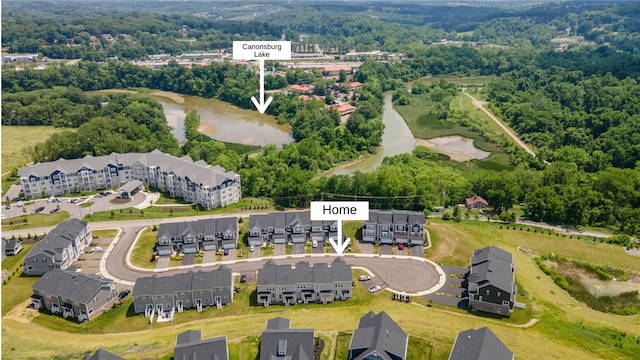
pixel 392 272
pixel 480 105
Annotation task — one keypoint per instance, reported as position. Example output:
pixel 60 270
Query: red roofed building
pixel 301 89
pixel 334 70
pixel 345 109
pixel 314 97
pixel 355 84
pixel 476 202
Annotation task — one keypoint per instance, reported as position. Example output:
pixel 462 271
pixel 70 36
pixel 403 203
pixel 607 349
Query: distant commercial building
pixel 197 182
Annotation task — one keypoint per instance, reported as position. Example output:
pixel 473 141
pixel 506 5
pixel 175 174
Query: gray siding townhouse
pixel 280 342
pixel 206 234
pixel 378 337
pixel 197 182
pixel 73 294
pixel 491 281
pixel 59 248
pixel 13 247
pixel 101 354
pixel 397 226
pixel 162 294
pixel 191 346
pixel 284 227
pixel 481 344
pixel 284 284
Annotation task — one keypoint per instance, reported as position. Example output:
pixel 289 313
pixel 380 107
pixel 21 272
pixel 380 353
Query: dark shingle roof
pixel 102 355
pixel 161 285
pixel 267 275
pixel 73 285
pixel 481 344
pixel 340 271
pixel 490 253
pixel 378 333
pixel 59 237
pixel 492 265
pixel 320 273
pixel 283 343
pixel 190 346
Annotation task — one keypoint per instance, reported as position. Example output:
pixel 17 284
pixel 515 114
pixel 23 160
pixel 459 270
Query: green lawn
pixel 109 234
pixel 86 204
pixel 141 254
pixel 158 212
pixel 34 221
pixel 16 291
pixel 12 263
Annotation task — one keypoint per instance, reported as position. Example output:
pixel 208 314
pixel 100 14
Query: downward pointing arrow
pixel 339 246
pixel 261 106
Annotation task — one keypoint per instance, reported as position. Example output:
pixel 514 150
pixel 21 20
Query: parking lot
pixel 89 261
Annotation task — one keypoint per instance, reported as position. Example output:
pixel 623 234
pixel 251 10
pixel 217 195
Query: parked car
pixel 364 277
pixel 314 243
pixel 374 289
pixel 8 206
pixel 39 210
pixel 53 211
pixel 400 246
pixel 225 252
pixel 98 196
pixel 96 248
pixel 252 248
pixel 243 278
pixel 123 294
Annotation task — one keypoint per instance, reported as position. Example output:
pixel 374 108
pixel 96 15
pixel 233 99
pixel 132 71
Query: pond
pixel 458 148
pixel 225 122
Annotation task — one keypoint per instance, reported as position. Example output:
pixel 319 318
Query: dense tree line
pixel 592 121
pixel 125 123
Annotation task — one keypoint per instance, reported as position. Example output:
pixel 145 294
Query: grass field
pixel 34 221
pixel 17 141
pixel 158 212
pixel 566 329
pixel 141 254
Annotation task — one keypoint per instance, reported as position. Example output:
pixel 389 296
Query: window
pixel 505 302
pixel 487 292
pixel 498 293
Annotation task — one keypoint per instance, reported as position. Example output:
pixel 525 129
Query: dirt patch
pixel 458 148
pixel 633 252
pixel 22 313
pixel 207 128
pixel 596 286
pixel 179 99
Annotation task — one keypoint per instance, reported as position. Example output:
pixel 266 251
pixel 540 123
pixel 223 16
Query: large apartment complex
pixel 59 248
pixel 397 226
pixel 303 283
pixel 197 182
pixel 284 227
pixel 206 234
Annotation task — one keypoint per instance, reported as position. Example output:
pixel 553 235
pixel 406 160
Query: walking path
pixel 480 105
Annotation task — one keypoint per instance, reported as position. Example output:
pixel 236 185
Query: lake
pixel 225 122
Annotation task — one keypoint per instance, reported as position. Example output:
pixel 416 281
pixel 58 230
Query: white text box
pixel 265 50
pixel 339 210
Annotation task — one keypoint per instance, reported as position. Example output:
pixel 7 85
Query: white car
pixel 374 289
pixel 96 248
pixel 252 248
pixel 314 243
pixel 364 277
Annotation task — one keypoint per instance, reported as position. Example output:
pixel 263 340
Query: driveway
pixel 318 249
pixel 163 262
pixel 386 249
pixel 298 248
pixel 404 251
pixel 455 270
pixel 209 256
pixel 231 256
pixel 280 249
pixel 417 250
pixel 257 252
pixel 189 259
pixel 366 248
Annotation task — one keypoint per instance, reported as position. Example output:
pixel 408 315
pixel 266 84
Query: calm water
pixel 225 122
pixel 397 139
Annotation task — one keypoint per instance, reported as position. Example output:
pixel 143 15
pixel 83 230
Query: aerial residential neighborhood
pixel 308 180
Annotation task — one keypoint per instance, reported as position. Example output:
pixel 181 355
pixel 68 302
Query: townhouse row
pixel 190 237
pixel 394 227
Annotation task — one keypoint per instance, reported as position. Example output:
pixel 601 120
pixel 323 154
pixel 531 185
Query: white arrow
pixel 340 246
pixel 261 106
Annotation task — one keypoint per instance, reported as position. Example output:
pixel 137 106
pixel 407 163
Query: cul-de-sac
pixel 337 180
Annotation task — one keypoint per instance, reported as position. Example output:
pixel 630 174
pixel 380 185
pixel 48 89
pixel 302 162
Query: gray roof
pixel 101 354
pixel 321 273
pixel 129 186
pixel 190 346
pixel 283 343
pixel 490 253
pixel 162 285
pixel 278 323
pixel 199 227
pixel 59 237
pixel 481 344
pixel 73 285
pixel 13 243
pixel 378 333
pixel 492 266
pixel 183 167
pixel 385 217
